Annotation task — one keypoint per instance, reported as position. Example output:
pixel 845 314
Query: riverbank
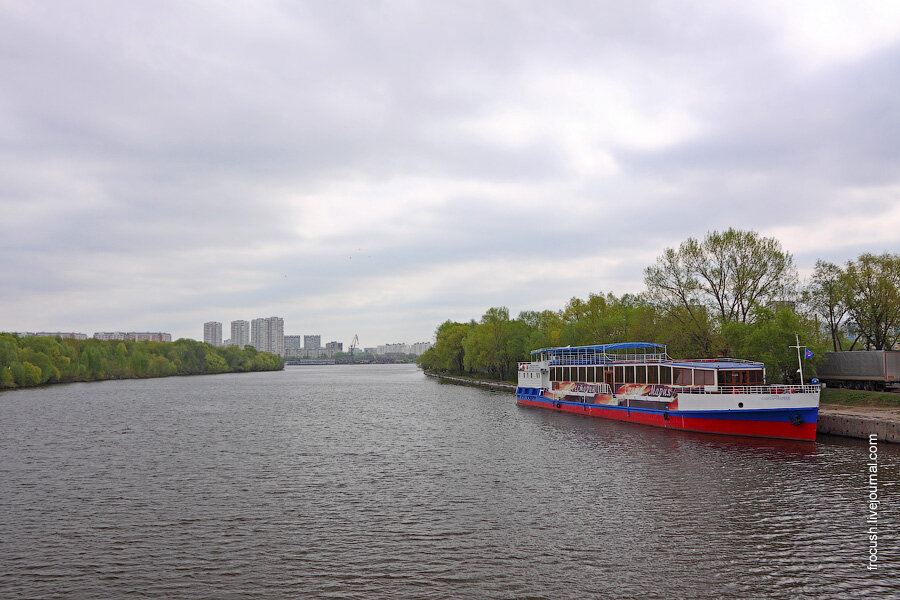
pixel 855 421
pixel 486 383
pixel 30 362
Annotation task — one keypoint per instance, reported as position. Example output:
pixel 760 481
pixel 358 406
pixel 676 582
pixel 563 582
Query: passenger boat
pixel 639 382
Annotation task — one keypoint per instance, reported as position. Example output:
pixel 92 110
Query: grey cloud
pixel 162 134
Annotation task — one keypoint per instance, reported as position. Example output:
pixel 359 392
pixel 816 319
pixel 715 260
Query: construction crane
pixel 354 345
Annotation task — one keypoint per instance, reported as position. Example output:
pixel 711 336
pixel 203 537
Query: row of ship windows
pixel 654 374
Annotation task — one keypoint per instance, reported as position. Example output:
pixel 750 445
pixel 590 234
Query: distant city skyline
pixel 377 172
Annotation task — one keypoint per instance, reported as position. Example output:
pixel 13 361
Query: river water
pixel 377 482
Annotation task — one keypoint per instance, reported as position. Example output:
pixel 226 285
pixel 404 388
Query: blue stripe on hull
pixel 807 415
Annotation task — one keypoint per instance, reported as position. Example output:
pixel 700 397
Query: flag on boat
pixel 808 353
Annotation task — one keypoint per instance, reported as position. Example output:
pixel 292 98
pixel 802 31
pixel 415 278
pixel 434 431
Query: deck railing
pixel 751 389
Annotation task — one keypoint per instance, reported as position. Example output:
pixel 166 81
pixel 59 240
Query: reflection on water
pixel 374 481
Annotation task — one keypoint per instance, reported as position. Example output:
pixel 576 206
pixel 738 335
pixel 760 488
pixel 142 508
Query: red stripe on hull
pixel 767 429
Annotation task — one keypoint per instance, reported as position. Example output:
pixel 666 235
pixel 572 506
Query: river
pixel 374 481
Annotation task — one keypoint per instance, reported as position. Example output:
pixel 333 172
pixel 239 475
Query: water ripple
pixel 375 482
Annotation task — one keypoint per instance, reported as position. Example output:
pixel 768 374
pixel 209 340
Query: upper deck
pixel 643 362
pixel 627 353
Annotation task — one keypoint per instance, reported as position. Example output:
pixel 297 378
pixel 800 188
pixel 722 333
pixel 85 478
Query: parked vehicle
pixel 861 369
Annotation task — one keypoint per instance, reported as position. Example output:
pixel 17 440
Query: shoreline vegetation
pixel 731 294
pixel 27 362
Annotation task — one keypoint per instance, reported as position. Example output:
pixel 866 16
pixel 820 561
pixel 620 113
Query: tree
pixel 484 346
pixel 6 377
pixel 872 288
pixel 448 352
pixel 826 296
pixel 215 363
pixel 726 276
pixel 25 374
pixel 769 340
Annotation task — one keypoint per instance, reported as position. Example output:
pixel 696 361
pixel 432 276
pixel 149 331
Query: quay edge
pixel 860 422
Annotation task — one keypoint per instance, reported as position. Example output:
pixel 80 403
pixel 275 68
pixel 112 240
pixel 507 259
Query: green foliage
pixel 769 340
pixel 863 297
pixel 215 363
pixel 25 374
pixel 723 279
pixel 6 378
pixel 826 296
pixel 872 288
pixel 29 361
pixel 727 295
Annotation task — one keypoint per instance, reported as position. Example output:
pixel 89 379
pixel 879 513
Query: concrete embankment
pixel 860 422
pixel 496 385
pixel 848 421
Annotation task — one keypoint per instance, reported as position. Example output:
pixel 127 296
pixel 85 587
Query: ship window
pixel 554 373
pixel 733 378
pixel 629 374
pixel 640 375
pixel 756 377
pixel 683 376
pixel 704 377
pixel 620 374
pixel 665 375
pixel 653 374
pixel 592 374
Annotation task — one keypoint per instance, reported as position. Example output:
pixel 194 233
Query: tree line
pixel 31 361
pixel 733 293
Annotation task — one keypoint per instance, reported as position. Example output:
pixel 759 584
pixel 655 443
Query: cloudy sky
pixel 379 167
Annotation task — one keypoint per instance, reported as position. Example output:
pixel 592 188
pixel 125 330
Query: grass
pixel 859 398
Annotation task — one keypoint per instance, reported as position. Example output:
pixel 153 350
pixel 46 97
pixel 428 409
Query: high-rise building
pixel 240 333
pixel 275 333
pixel 293 344
pixel 267 335
pixel 332 348
pixel 259 334
pixel 212 333
pixel 312 342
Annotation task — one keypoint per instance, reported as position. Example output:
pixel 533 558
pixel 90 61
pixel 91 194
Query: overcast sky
pixel 380 167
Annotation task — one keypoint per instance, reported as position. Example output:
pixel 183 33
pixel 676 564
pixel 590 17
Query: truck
pixel 861 369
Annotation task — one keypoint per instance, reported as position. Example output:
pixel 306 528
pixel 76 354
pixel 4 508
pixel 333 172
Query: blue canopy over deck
pixel 604 353
pixel 598 348
pixel 635 352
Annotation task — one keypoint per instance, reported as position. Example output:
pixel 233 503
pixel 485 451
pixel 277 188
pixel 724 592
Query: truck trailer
pixel 861 369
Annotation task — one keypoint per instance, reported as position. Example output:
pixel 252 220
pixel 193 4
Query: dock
pixel 860 421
